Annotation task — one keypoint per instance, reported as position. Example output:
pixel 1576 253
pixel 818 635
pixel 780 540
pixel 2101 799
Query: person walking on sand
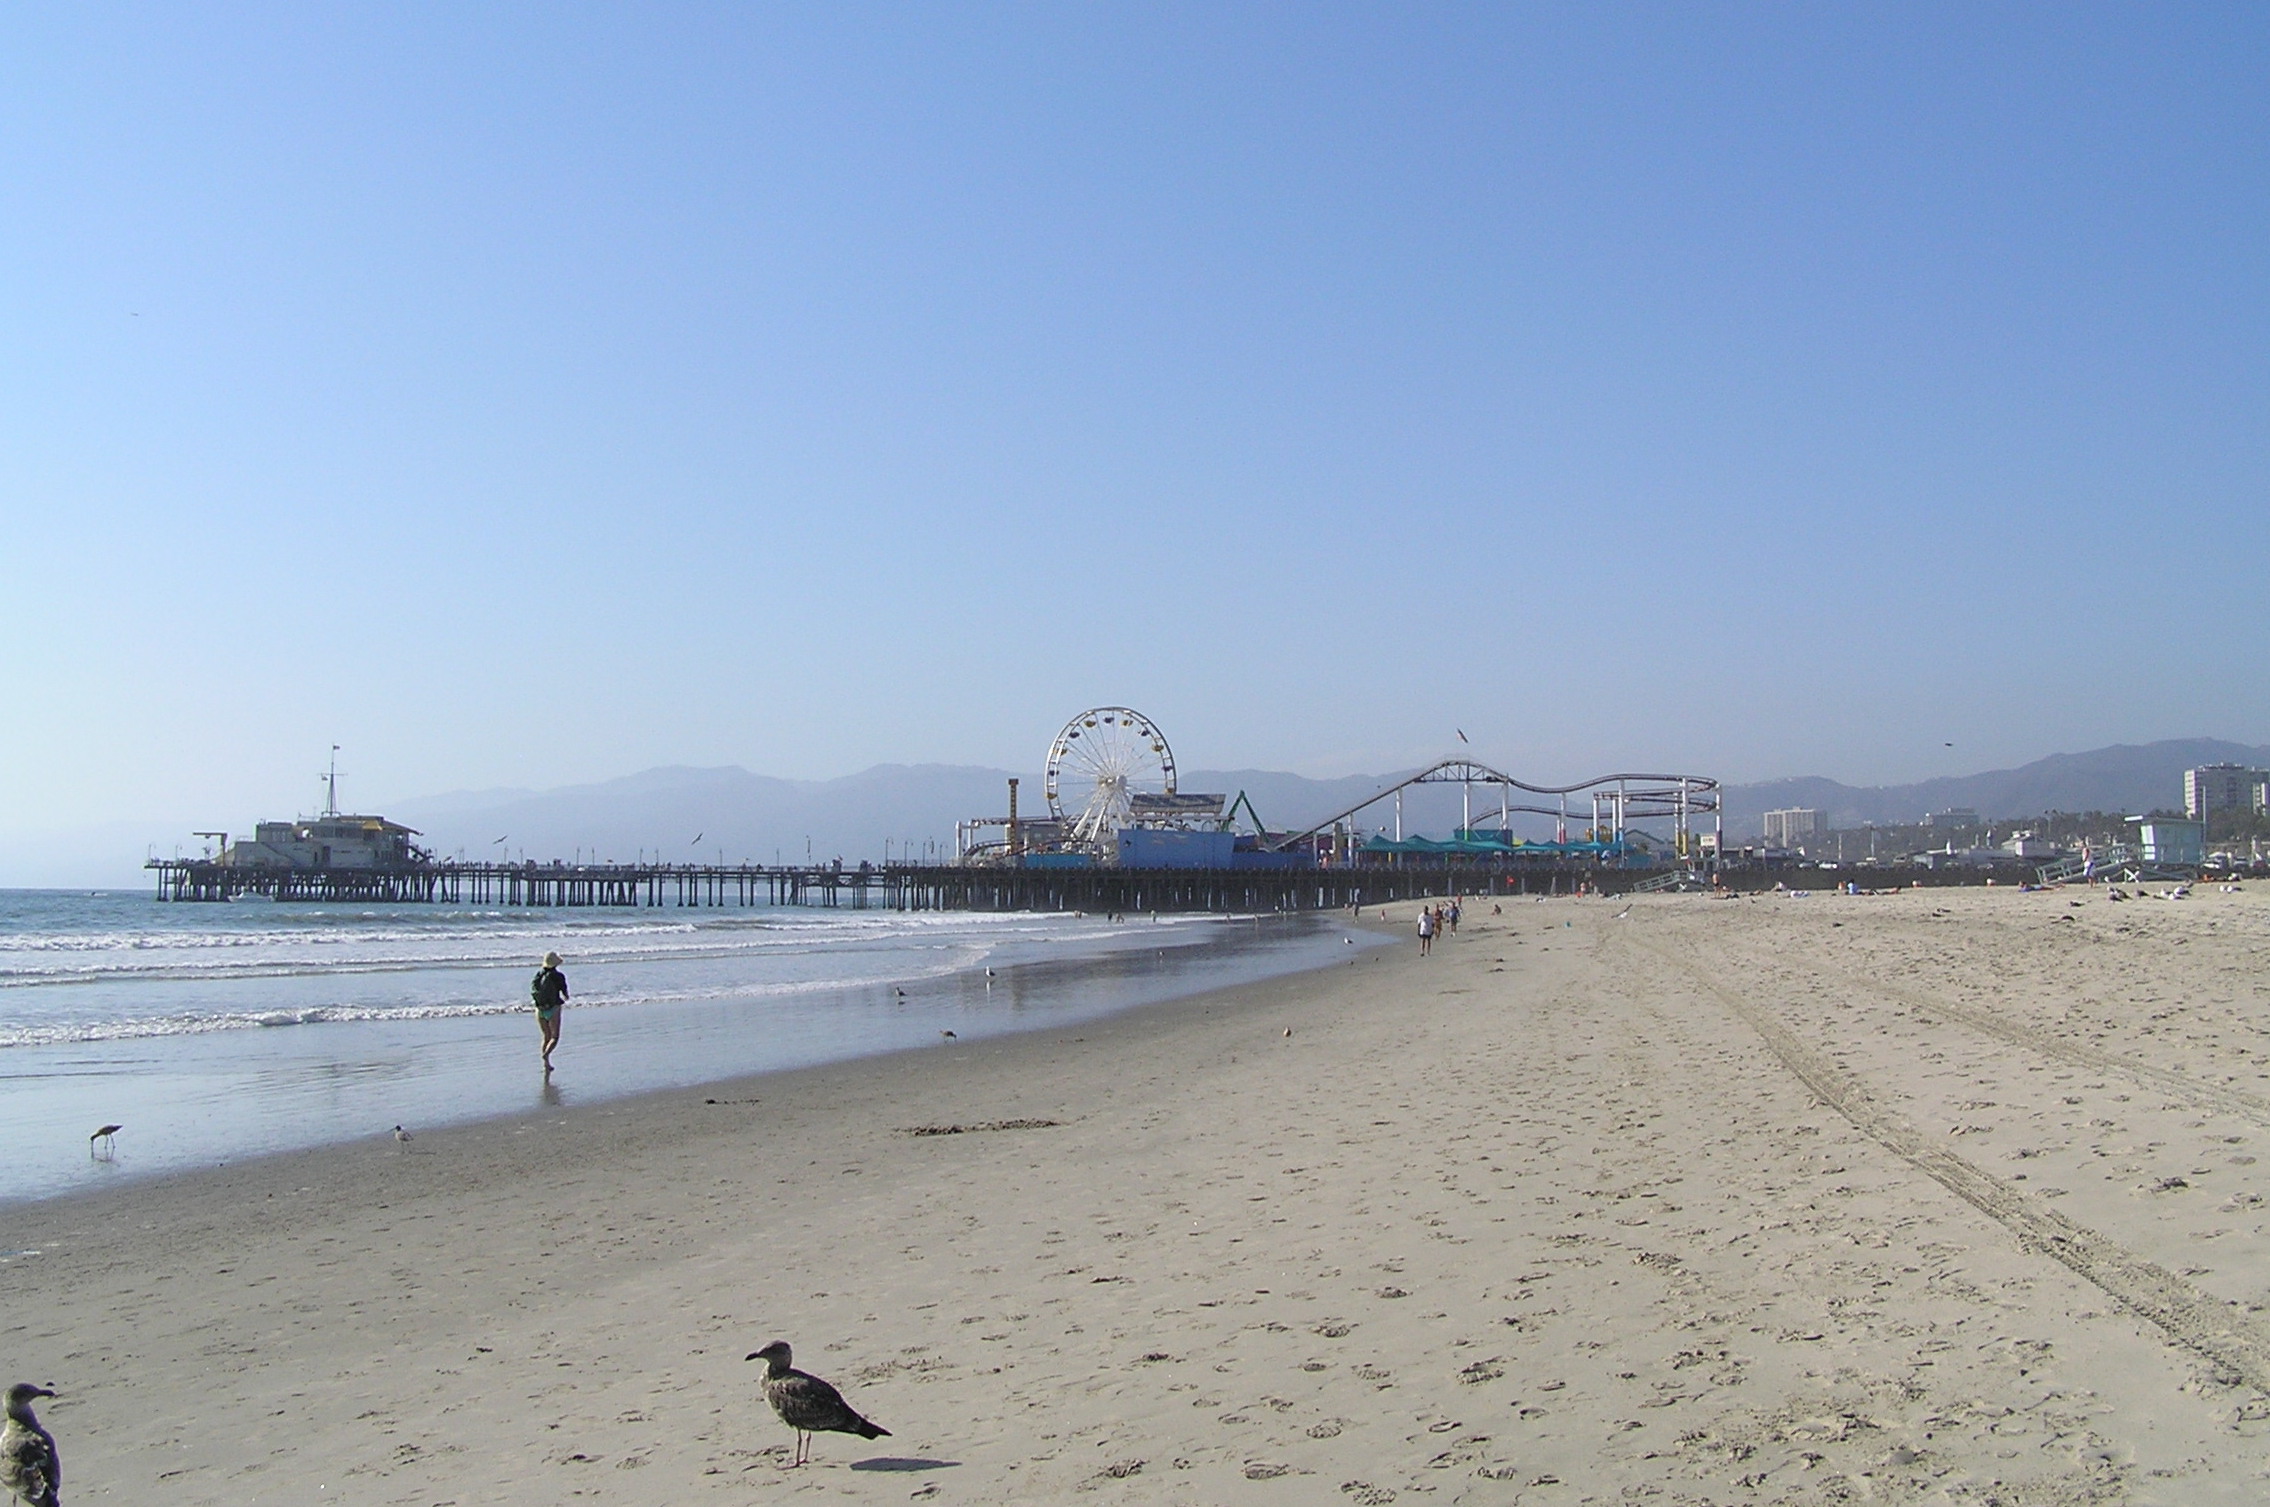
pixel 549 990
pixel 1426 932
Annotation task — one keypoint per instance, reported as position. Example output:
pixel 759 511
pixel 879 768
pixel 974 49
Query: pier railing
pixel 977 887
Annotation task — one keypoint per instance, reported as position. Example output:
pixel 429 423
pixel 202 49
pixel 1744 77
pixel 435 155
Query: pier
pixel 977 887
pixel 869 887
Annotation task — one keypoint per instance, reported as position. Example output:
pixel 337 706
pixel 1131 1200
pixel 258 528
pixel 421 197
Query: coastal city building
pixel 2215 788
pixel 1795 827
pixel 1952 817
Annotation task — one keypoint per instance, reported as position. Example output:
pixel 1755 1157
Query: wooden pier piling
pixel 923 887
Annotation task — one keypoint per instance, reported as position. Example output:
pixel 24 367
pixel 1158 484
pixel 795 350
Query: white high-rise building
pixel 2213 788
pixel 1792 828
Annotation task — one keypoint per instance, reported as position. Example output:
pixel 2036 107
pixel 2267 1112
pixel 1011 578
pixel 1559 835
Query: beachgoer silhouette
pixel 549 990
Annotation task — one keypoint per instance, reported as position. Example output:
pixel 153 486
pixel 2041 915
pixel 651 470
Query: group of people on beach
pixel 1435 921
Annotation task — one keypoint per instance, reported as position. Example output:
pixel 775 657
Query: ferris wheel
pixel 1103 760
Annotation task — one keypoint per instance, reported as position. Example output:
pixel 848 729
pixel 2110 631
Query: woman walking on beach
pixel 549 990
pixel 1426 931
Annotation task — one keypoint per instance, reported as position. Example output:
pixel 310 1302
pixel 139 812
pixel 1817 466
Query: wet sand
pixel 1945 1196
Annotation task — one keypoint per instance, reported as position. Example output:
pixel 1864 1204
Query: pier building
pixel 1117 834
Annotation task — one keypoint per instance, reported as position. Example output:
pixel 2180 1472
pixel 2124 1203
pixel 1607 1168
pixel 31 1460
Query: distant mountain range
pixel 740 815
pixel 2128 777
pixel 686 814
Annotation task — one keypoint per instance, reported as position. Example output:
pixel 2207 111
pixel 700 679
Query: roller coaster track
pixel 1644 796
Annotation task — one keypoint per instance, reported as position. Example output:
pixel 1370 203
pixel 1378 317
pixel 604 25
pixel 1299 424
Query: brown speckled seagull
pixel 807 1404
pixel 28 1467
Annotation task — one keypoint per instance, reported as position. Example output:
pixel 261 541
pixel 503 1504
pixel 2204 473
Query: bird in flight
pixel 697 838
pixel 494 841
pixel 807 1404
pixel 1462 736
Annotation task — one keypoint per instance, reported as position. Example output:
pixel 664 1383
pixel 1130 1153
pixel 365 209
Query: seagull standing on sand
pixel 807 1404
pixel 108 1136
pixel 401 1136
pixel 29 1468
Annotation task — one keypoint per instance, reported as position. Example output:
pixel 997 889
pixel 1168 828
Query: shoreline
pixel 220 1183
pixel 1544 1219
pixel 200 1099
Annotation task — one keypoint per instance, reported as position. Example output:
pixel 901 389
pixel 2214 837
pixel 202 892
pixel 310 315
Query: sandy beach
pixel 1948 1196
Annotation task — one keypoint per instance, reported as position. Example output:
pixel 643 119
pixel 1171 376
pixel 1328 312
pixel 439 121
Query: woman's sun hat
pixel 551 960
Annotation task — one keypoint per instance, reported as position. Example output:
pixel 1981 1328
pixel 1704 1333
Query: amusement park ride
pixel 1112 795
pixel 1119 833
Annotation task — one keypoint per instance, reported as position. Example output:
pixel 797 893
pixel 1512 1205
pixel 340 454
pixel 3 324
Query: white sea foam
pixel 193 1023
pixel 129 968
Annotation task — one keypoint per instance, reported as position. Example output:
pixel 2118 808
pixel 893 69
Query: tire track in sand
pixel 2190 1317
pixel 2169 1080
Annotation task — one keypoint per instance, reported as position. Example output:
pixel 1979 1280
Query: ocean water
pixel 216 1032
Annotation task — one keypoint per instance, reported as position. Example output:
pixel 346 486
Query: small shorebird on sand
pixel 107 1135
pixel 29 1469
pixel 401 1136
pixel 948 1036
pixel 807 1404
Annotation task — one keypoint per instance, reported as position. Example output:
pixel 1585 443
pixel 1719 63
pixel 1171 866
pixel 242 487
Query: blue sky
pixel 525 395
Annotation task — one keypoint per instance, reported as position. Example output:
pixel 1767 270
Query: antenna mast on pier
pixel 331 785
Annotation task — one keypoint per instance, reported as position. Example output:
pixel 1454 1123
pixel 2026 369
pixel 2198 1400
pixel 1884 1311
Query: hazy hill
pixel 734 813
pixel 749 816
pixel 2127 777
pixel 740 815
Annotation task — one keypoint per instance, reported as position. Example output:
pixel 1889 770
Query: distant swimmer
pixel 29 1468
pixel 549 990
pixel 108 1136
pixel 807 1404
